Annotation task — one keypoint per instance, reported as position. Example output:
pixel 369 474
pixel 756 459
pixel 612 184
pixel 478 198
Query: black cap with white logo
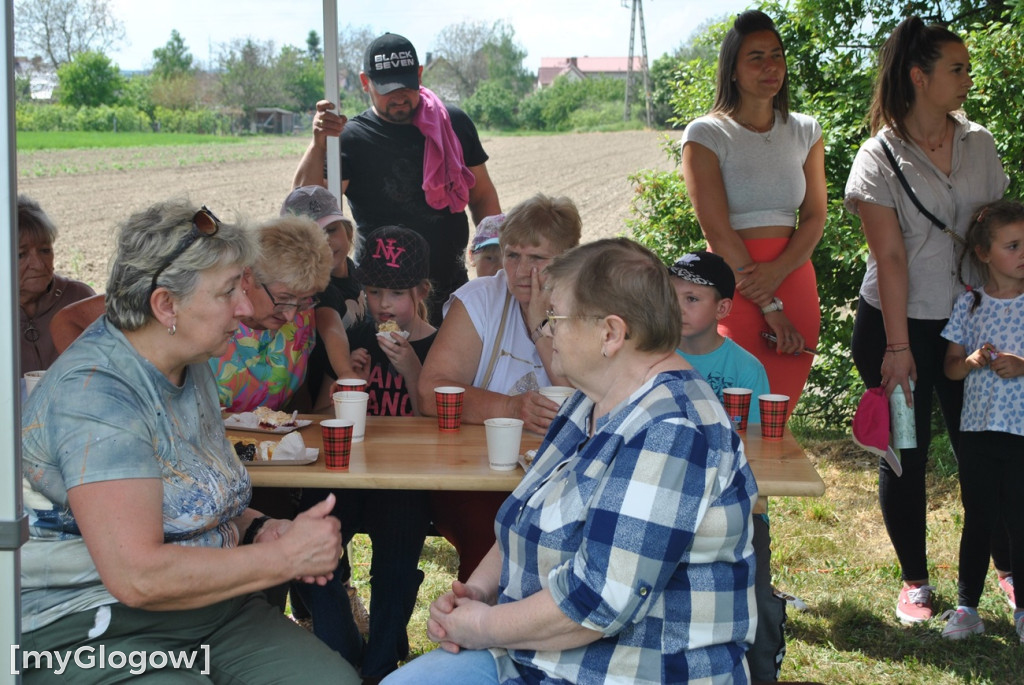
pixel 391 63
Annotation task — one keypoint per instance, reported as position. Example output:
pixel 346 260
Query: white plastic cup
pixel 351 406
pixel 557 393
pixel 31 379
pixel 503 436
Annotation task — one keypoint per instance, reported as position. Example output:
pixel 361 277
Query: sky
pixel 544 28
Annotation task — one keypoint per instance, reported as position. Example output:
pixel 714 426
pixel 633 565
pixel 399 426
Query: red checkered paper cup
pixel 449 407
pixel 337 437
pixel 350 385
pixel 773 415
pixel 737 403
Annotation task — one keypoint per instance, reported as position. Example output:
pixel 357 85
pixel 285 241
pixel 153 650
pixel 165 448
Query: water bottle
pixel 901 418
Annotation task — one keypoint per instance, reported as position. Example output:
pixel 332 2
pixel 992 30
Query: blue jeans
pixel 468 667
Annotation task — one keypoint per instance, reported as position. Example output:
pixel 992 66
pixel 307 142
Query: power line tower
pixel 637 12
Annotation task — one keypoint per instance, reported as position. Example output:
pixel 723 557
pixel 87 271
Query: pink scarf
pixel 446 178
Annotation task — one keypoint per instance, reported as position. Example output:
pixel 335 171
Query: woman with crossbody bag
pixel 925 159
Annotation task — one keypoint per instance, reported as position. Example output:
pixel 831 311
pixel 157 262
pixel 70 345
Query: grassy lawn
pixel 65 140
pixel 833 553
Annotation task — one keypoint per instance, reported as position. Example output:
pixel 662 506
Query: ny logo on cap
pixel 386 249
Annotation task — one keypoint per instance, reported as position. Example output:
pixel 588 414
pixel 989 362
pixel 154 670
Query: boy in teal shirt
pixel 704 286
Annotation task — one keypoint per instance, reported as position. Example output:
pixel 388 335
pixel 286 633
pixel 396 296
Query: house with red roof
pixel 579 68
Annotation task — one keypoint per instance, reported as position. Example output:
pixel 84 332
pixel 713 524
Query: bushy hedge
pixel 205 121
pixel 47 117
pixel 40 117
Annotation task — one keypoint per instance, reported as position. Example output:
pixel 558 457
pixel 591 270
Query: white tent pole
pixel 13 527
pixel 331 93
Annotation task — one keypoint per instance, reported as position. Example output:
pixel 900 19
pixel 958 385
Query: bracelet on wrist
pixel 897 349
pixel 899 344
pixel 538 332
pixel 254 529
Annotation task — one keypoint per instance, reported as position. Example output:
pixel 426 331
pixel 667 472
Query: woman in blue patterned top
pixel 625 553
pixel 141 537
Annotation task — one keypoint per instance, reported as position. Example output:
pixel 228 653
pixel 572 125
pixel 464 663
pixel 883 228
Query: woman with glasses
pixel 141 537
pixel 624 555
pixel 41 292
pixel 266 360
pixel 490 344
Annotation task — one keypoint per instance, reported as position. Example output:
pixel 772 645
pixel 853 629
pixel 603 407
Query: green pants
pixel 248 642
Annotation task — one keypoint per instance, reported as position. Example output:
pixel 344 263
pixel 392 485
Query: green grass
pixel 67 140
pixel 833 552
pixel 40 155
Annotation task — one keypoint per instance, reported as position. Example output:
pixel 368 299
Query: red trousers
pixel 787 374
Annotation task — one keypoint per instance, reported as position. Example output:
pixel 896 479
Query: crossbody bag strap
pixel 497 341
pixel 913 198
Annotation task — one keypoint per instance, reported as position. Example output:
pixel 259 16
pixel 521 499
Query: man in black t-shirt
pixel 382 158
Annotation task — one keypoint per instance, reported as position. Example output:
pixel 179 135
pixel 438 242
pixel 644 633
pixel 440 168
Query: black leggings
pixel 903 498
pixel 991 482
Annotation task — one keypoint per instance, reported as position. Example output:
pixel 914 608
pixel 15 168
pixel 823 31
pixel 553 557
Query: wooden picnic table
pixel 404 453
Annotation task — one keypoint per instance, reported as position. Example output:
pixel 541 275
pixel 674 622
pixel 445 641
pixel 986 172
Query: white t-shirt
pixel 991 403
pixel 763 173
pixel 518 367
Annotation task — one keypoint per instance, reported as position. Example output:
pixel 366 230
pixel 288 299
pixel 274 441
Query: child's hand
pixel 360 361
pixel 1007 365
pixel 401 354
pixel 981 357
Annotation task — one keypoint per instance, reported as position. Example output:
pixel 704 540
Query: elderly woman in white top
pixel 491 344
pixel 141 538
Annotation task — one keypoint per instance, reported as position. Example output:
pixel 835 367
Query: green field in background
pixel 64 140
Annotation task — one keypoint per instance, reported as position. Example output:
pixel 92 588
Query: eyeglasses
pixel 204 225
pixel 553 318
pixel 283 307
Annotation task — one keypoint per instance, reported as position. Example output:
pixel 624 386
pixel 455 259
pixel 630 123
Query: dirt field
pixel 87 192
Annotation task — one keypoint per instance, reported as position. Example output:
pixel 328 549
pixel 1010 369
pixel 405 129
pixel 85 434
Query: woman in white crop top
pixel 756 174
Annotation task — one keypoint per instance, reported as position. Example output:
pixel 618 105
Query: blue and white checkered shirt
pixel 641 532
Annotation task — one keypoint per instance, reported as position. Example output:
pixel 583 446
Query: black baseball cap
pixel 394 258
pixel 706 268
pixel 391 63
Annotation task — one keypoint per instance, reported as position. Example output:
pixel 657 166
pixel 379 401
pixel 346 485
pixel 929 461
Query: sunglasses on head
pixel 204 225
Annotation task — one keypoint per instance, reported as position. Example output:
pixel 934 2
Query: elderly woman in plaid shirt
pixel 625 553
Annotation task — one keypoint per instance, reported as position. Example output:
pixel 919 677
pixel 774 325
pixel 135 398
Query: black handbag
pixel 913 198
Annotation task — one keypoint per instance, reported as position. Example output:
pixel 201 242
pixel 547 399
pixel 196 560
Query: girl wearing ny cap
pixel 394 272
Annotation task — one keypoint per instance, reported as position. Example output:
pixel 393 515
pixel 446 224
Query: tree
pixel 352 44
pixel 505 61
pixel 302 77
pixel 61 29
pixel 249 79
pixel 173 59
pixel 313 50
pixel 89 80
pixel 461 47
